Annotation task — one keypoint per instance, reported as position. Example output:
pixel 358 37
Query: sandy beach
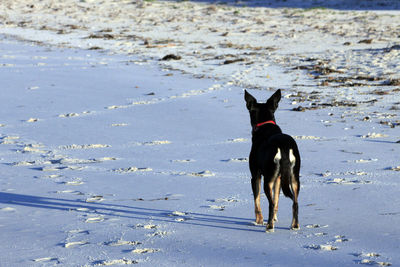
pixel 124 136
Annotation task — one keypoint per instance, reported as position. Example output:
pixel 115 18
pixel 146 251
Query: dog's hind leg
pixel 295 207
pixel 255 185
pixel 277 190
pixel 268 186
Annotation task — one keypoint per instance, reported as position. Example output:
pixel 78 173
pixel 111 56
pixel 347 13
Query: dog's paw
pixel 269 228
pixel 295 227
pixel 259 219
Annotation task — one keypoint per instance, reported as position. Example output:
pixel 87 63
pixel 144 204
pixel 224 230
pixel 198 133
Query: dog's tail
pixel 286 164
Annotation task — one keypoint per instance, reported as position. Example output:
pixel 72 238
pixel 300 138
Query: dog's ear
pixel 250 100
pixel 273 101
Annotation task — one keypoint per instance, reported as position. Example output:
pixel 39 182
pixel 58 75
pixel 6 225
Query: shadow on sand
pixel 132 212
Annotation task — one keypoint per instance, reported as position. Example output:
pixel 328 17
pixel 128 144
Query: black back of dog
pixel 274 156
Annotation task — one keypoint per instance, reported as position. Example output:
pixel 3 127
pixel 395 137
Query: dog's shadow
pixel 131 212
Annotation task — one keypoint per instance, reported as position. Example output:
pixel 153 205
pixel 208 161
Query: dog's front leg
pixel 256 184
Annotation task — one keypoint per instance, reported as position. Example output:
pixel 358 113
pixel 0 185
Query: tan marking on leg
pixel 257 207
pixel 295 207
pixel 269 193
pixel 259 217
pixel 277 190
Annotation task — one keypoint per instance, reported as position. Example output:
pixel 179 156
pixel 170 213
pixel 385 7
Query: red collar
pixel 265 122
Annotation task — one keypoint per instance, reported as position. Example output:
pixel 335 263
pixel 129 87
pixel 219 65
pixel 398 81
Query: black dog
pixel 273 155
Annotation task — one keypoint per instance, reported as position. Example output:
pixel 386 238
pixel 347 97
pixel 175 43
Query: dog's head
pixel 261 112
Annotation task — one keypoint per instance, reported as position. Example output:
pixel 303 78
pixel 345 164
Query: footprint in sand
pixel 343 181
pixel 181 216
pixel 205 173
pixel 371 258
pixel 31 120
pixel 33 148
pixel 78 232
pixel 9 140
pixel 306 137
pixel 74 192
pixel 119 124
pixel 122 243
pixel 144 250
pixel 53 176
pixel 154 143
pixel 47 260
pixel 146 226
pixel 183 160
pixel 341 239
pixel 114 262
pixel 87 146
pixel 132 169
pixel 75 243
pixel 316 226
pixel 221 200
pixel 217 207
pixel 96 219
pixel 51 168
pixel 322 247
pixel 8 209
pixel 97 198
pixel 236 160
pixel 73 114
pixel 73 182
pixel 364 160
pixel 396 168
pixel 320 234
pixel 158 233
pixel 238 140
